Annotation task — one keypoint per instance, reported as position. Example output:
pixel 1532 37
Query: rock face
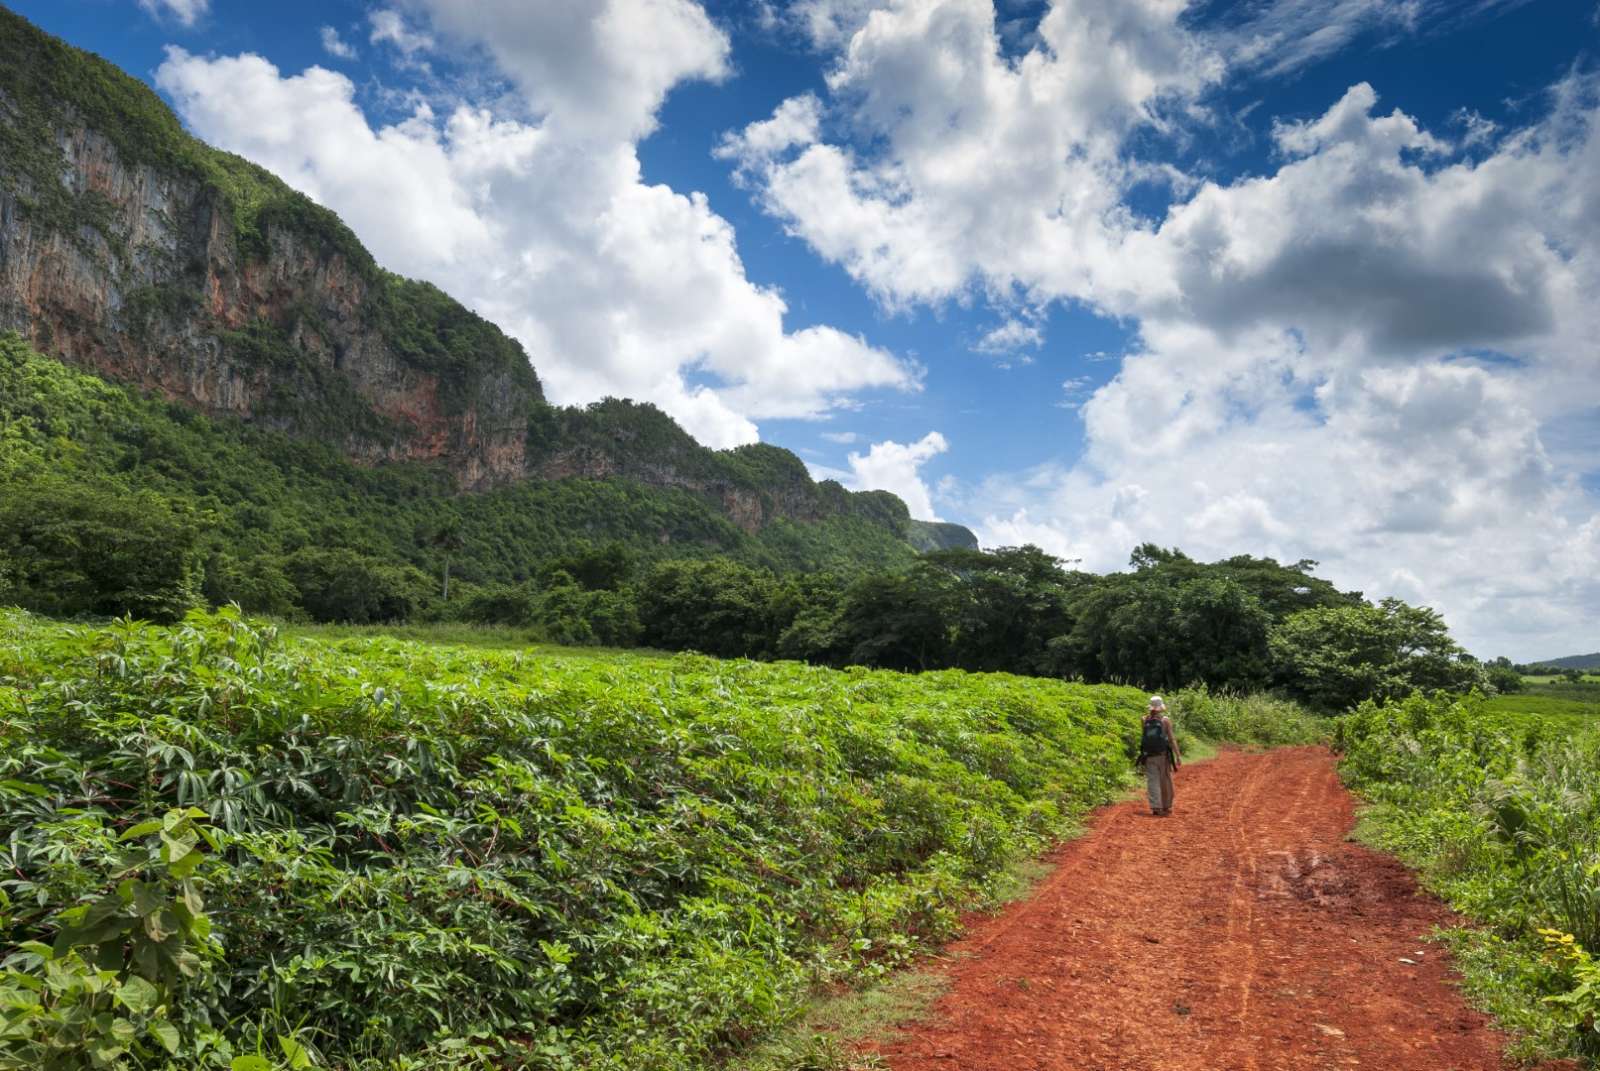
pixel 160 294
pixel 207 280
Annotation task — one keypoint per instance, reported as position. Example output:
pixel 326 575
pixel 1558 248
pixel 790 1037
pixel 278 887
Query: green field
pixel 341 849
pixel 1576 713
pixel 1572 705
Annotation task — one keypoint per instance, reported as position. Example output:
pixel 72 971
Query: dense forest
pixel 117 504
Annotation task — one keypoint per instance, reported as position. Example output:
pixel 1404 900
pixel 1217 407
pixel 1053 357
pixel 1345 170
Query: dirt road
pixel 1243 933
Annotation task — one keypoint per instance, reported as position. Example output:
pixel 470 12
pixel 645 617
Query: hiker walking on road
pixel 1158 755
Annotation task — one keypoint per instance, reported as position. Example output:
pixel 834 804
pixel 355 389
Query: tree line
pixel 1240 624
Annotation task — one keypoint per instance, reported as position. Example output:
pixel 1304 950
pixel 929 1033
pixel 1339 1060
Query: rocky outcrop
pixel 144 274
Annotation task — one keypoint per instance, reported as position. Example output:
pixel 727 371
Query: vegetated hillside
pixel 396 854
pixel 1582 661
pixel 1498 805
pixel 130 248
pixel 928 536
pixel 111 502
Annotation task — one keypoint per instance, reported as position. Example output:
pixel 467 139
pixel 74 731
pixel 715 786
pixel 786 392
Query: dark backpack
pixel 1153 739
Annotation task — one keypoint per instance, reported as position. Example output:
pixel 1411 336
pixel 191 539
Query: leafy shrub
pixel 435 857
pixel 1333 657
pixel 1255 718
pixel 341 585
pixel 718 607
pixel 1579 1005
pixel 501 604
pixel 104 994
pixel 70 547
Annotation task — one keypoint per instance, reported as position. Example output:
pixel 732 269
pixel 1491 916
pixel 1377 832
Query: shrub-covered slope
pixel 112 502
pixel 427 852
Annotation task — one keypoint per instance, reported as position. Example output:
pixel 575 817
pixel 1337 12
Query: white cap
pixel 1156 703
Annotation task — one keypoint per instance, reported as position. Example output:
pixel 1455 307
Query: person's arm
pixel 1172 738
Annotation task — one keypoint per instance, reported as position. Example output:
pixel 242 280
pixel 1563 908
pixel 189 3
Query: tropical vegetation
pixel 225 847
pixel 1500 811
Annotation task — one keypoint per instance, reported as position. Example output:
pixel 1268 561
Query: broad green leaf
pixel 160 925
pixel 143 829
pixel 147 898
pixel 250 1062
pixel 184 865
pixel 138 995
pixel 295 1053
pixel 166 1035
pixel 105 1053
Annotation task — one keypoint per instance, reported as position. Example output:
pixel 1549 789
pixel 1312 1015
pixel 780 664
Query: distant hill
pixel 134 251
pixel 1582 661
pixel 928 536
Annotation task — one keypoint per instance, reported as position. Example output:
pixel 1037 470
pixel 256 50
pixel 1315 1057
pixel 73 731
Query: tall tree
pixel 1333 657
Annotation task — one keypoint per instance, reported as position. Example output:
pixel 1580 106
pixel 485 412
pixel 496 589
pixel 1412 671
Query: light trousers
pixel 1158 780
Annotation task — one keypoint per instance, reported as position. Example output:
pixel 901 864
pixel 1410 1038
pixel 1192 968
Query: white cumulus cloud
pixel 1378 353
pixel 184 12
pixel 931 209
pixel 542 222
pixel 896 467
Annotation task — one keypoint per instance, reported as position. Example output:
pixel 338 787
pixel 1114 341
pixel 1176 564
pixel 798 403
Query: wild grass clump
pixel 225 848
pixel 1501 813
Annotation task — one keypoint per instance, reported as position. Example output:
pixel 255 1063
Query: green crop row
pixel 1498 805
pixel 224 847
pixel 1535 706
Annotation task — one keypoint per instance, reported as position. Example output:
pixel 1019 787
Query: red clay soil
pixel 1243 933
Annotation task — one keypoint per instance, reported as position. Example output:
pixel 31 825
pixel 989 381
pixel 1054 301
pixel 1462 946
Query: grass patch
pixel 459 634
pixel 828 1036
pixel 1507 980
pixel 1499 812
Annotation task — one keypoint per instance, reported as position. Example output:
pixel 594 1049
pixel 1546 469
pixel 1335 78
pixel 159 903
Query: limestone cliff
pixel 133 250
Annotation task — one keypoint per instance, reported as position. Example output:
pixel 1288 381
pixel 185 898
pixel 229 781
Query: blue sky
pixel 1282 277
